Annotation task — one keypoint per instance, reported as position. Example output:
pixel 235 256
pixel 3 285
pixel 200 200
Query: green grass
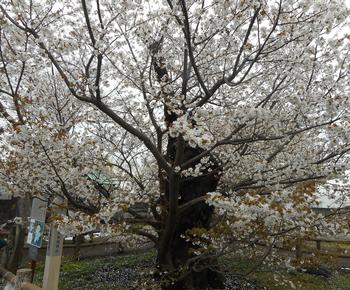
pixel 81 274
pixel 279 278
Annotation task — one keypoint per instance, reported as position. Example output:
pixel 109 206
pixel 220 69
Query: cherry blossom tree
pixel 218 117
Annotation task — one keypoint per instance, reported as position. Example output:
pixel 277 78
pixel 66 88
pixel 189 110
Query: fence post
pixel 78 239
pixel 8 276
pixel 318 244
pixel 22 275
pixel 298 250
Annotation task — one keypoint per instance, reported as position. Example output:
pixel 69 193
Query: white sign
pixel 54 247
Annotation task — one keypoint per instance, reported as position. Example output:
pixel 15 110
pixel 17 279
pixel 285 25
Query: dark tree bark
pixel 174 252
pixel 13 253
pixel 197 216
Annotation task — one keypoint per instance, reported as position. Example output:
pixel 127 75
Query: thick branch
pixel 120 121
pixel 87 21
pixel 190 50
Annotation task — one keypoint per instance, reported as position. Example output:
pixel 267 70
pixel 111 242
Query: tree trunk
pixel 179 251
pixel 173 251
pixel 13 253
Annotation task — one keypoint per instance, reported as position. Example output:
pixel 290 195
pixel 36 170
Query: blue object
pixel 2 243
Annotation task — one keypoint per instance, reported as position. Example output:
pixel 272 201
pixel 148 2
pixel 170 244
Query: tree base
pixel 206 279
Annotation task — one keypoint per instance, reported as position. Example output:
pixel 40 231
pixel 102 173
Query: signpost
pixel 37 215
pixel 55 243
pixel 54 252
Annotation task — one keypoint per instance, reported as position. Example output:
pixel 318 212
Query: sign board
pixel 35 233
pixel 54 247
pixel 37 216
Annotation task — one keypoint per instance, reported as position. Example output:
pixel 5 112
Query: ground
pixel 129 271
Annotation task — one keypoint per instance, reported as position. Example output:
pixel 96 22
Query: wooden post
pixel 318 244
pixel 32 265
pixel 38 212
pixel 17 251
pixel 22 275
pixel 79 239
pixel 29 286
pixel 54 252
pixel 53 259
pixel 298 250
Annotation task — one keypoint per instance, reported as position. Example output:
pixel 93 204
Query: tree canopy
pixel 237 107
